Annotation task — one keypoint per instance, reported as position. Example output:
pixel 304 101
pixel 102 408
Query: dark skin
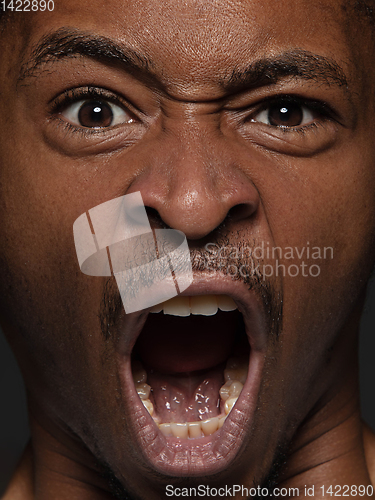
pixel 193 142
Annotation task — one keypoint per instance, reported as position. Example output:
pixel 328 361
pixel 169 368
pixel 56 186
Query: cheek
pixel 48 307
pixel 321 215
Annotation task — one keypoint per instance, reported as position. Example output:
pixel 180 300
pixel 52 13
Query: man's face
pixel 242 125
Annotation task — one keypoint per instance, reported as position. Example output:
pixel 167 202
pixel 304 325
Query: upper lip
pixel 160 454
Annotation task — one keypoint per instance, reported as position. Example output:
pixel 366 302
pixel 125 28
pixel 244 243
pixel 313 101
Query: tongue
pixel 186 397
pixel 174 345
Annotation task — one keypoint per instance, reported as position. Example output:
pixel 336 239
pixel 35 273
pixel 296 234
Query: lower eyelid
pixel 77 140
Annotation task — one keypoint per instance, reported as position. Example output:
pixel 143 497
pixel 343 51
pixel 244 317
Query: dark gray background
pixel 13 422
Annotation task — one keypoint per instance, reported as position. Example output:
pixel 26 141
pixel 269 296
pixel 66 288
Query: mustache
pixel 207 260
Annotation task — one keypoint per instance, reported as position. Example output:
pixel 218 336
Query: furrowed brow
pixel 65 43
pixel 293 64
pixel 297 63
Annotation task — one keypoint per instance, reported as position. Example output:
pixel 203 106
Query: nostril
pixel 240 212
pixel 237 213
pixel 155 220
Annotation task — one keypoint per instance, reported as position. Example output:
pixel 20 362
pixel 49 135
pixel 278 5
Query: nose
pixel 196 184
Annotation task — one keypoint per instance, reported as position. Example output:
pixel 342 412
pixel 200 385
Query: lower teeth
pixel 235 375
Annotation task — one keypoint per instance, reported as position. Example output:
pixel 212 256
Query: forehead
pixel 192 44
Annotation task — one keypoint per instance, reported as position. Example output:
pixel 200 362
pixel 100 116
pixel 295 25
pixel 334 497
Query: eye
pixel 286 114
pixel 96 113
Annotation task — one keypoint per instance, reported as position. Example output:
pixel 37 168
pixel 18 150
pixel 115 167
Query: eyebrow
pixel 296 63
pixel 66 43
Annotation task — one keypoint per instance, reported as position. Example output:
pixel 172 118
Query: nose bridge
pixel 190 146
pixel 195 179
pixel 201 159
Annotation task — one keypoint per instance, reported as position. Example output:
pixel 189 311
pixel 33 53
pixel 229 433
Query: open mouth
pixel 193 381
pixel 191 373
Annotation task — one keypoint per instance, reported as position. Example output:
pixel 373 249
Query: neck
pixel 329 450
pixel 60 468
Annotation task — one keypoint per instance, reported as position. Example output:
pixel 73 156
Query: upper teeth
pixel 206 305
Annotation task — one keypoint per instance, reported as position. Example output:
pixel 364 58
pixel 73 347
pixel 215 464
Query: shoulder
pixel 369 446
pixel 21 484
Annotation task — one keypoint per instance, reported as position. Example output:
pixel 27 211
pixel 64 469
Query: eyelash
pixel 74 95
pixel 319 107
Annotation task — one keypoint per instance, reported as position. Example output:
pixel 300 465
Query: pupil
pixel 95 114
pixel 290 115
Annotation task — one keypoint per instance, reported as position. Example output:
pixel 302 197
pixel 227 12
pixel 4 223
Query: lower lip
pixel 193 457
